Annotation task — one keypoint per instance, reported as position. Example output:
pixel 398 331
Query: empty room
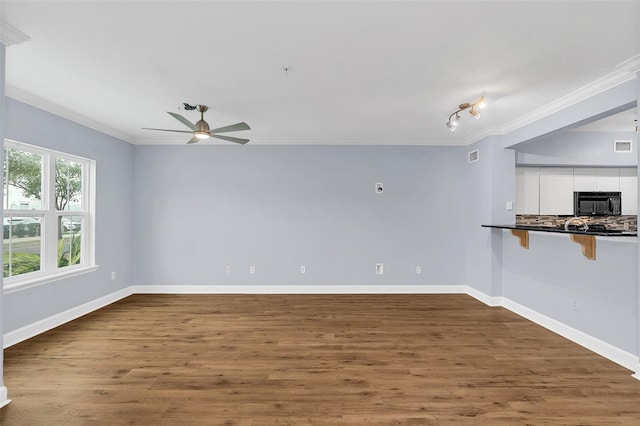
pixel 320 212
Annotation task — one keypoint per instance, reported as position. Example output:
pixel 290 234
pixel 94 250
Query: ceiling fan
pixel 201 129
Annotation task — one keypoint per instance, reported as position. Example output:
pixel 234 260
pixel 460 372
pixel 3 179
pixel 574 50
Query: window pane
pixel 21 245
pixel 68 185
pixel 23 180
pixel 69 240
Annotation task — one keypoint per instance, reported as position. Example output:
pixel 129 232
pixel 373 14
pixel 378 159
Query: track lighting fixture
pixel 454 118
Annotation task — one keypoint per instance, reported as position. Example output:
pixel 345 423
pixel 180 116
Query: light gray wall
pixel 553 273
pixel 114 227
pixel 490 184
pixel 578 149
pixel 200 208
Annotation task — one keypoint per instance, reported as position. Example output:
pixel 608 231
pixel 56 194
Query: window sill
pixel 32 282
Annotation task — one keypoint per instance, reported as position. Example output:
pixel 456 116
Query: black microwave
pixel 597 203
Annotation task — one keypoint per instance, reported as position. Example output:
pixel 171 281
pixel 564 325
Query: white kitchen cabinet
pixel 556 190
pixel 629 189
pixel 527 190
pixel 585 179
pixel 608 179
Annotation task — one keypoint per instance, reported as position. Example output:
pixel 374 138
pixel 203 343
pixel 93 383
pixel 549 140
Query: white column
pixel 637 372
pixel 4 400
pixel 8 36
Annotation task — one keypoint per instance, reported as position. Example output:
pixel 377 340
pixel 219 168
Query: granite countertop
pixel 573 230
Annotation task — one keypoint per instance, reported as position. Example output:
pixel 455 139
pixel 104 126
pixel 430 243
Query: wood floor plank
pixel 254 360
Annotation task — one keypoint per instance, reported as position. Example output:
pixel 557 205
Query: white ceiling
pixel 381 72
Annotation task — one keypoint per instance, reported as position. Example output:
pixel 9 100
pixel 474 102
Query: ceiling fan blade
pixel 182 120
pixel 232 128
pixel 231 139
pixel 193 140
pixel 168 130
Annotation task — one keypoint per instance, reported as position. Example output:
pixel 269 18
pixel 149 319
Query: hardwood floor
pixel 311 360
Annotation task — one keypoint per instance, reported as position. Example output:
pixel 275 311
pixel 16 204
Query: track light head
pixel 475 113
pixel 452 123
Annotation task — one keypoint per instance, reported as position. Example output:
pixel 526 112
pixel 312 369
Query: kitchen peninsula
pixel 579 229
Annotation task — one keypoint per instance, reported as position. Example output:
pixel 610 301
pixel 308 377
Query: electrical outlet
pixel 418 269
pixel 113 275
pixel 574 305
pixel 379 268
pixel 227 269
pixel 303 269
pixel 252 269
pixel 379 188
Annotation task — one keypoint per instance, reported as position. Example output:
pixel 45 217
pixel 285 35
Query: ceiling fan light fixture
pixel 202 129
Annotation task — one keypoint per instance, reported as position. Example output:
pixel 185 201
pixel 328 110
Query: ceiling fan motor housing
pixel 202 126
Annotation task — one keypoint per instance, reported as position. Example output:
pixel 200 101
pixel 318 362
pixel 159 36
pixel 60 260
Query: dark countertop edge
pixel 562 231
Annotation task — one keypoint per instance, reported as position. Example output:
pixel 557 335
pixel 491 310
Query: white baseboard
pixel 4 400
pixel 31 330
pixel 617 355
pixel 484 298
pixel 297 289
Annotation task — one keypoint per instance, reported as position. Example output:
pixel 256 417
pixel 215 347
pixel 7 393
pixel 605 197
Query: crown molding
pixel 48 106
pixel 630 65
pixel 483 133
pixel 10 35
pixel 625 71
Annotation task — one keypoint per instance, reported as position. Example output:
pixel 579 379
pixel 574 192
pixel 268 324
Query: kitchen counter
pixel 586 239
pixel 560 230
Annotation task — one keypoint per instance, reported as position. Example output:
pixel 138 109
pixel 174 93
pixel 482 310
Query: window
pixel 48 214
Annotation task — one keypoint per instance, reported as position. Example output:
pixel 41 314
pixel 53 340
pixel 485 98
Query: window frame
pixel 49 269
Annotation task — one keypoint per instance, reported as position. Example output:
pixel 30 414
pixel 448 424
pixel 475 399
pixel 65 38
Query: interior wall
pixel 201 208
pixel 490 185
pixel 114 227
pixel 574 148
pixel 553 278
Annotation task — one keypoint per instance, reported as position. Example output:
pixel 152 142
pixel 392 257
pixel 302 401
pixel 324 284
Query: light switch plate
pixel 509 205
